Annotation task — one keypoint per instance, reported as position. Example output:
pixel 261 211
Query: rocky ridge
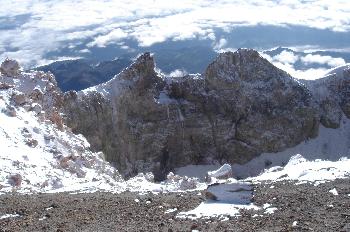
pixel 332 94
pixel 240 107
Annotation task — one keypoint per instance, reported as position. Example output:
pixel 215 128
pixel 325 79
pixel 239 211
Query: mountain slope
pixel 38 152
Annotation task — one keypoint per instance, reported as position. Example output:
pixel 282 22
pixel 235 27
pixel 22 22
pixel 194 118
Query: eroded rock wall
pixel 239 108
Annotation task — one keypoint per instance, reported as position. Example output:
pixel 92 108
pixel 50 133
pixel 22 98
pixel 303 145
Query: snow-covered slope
pixel 38 153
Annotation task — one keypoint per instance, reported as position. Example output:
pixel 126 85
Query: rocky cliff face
pixel 239 108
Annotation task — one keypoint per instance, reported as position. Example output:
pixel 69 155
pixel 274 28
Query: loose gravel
pixel 302 207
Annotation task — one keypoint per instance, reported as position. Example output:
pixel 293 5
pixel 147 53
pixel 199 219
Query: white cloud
pixel 53 24
pixel 220 44
pixel 85 51
pixel 286 61
pixel 112 37
pixel 318 59
pixel 308 74
pixel 177 73
pixel 286 57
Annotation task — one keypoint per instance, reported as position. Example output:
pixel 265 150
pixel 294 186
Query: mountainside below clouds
pixel 242 106
pixel 82 73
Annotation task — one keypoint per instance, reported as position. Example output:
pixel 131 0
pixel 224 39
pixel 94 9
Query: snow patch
pixel 230 197
pixel 301 170
pixel 170 210
pixel 269 209
pixel 212 209
pixel 334 192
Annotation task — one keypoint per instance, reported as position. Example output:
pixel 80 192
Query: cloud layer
pixel 289 60
pixel 38 27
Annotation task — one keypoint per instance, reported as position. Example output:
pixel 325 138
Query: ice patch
pixel 211 209
pixel 234 193
pixel 9 216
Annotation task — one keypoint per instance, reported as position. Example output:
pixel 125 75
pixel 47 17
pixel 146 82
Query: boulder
pixel 224 172
pixel 10 68
pixel 32 142
pixel 36 95
pixel 5 86
pixel 19 98
pixel 15 180
pixel 10 111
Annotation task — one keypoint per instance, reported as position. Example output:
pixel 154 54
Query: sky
pixel 36 32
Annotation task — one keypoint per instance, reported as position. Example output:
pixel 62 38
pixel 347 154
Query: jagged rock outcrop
pixel 46 95
pixel 332 94
pixel 239 108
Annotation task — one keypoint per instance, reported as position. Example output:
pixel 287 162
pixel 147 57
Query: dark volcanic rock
pixel 241 107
